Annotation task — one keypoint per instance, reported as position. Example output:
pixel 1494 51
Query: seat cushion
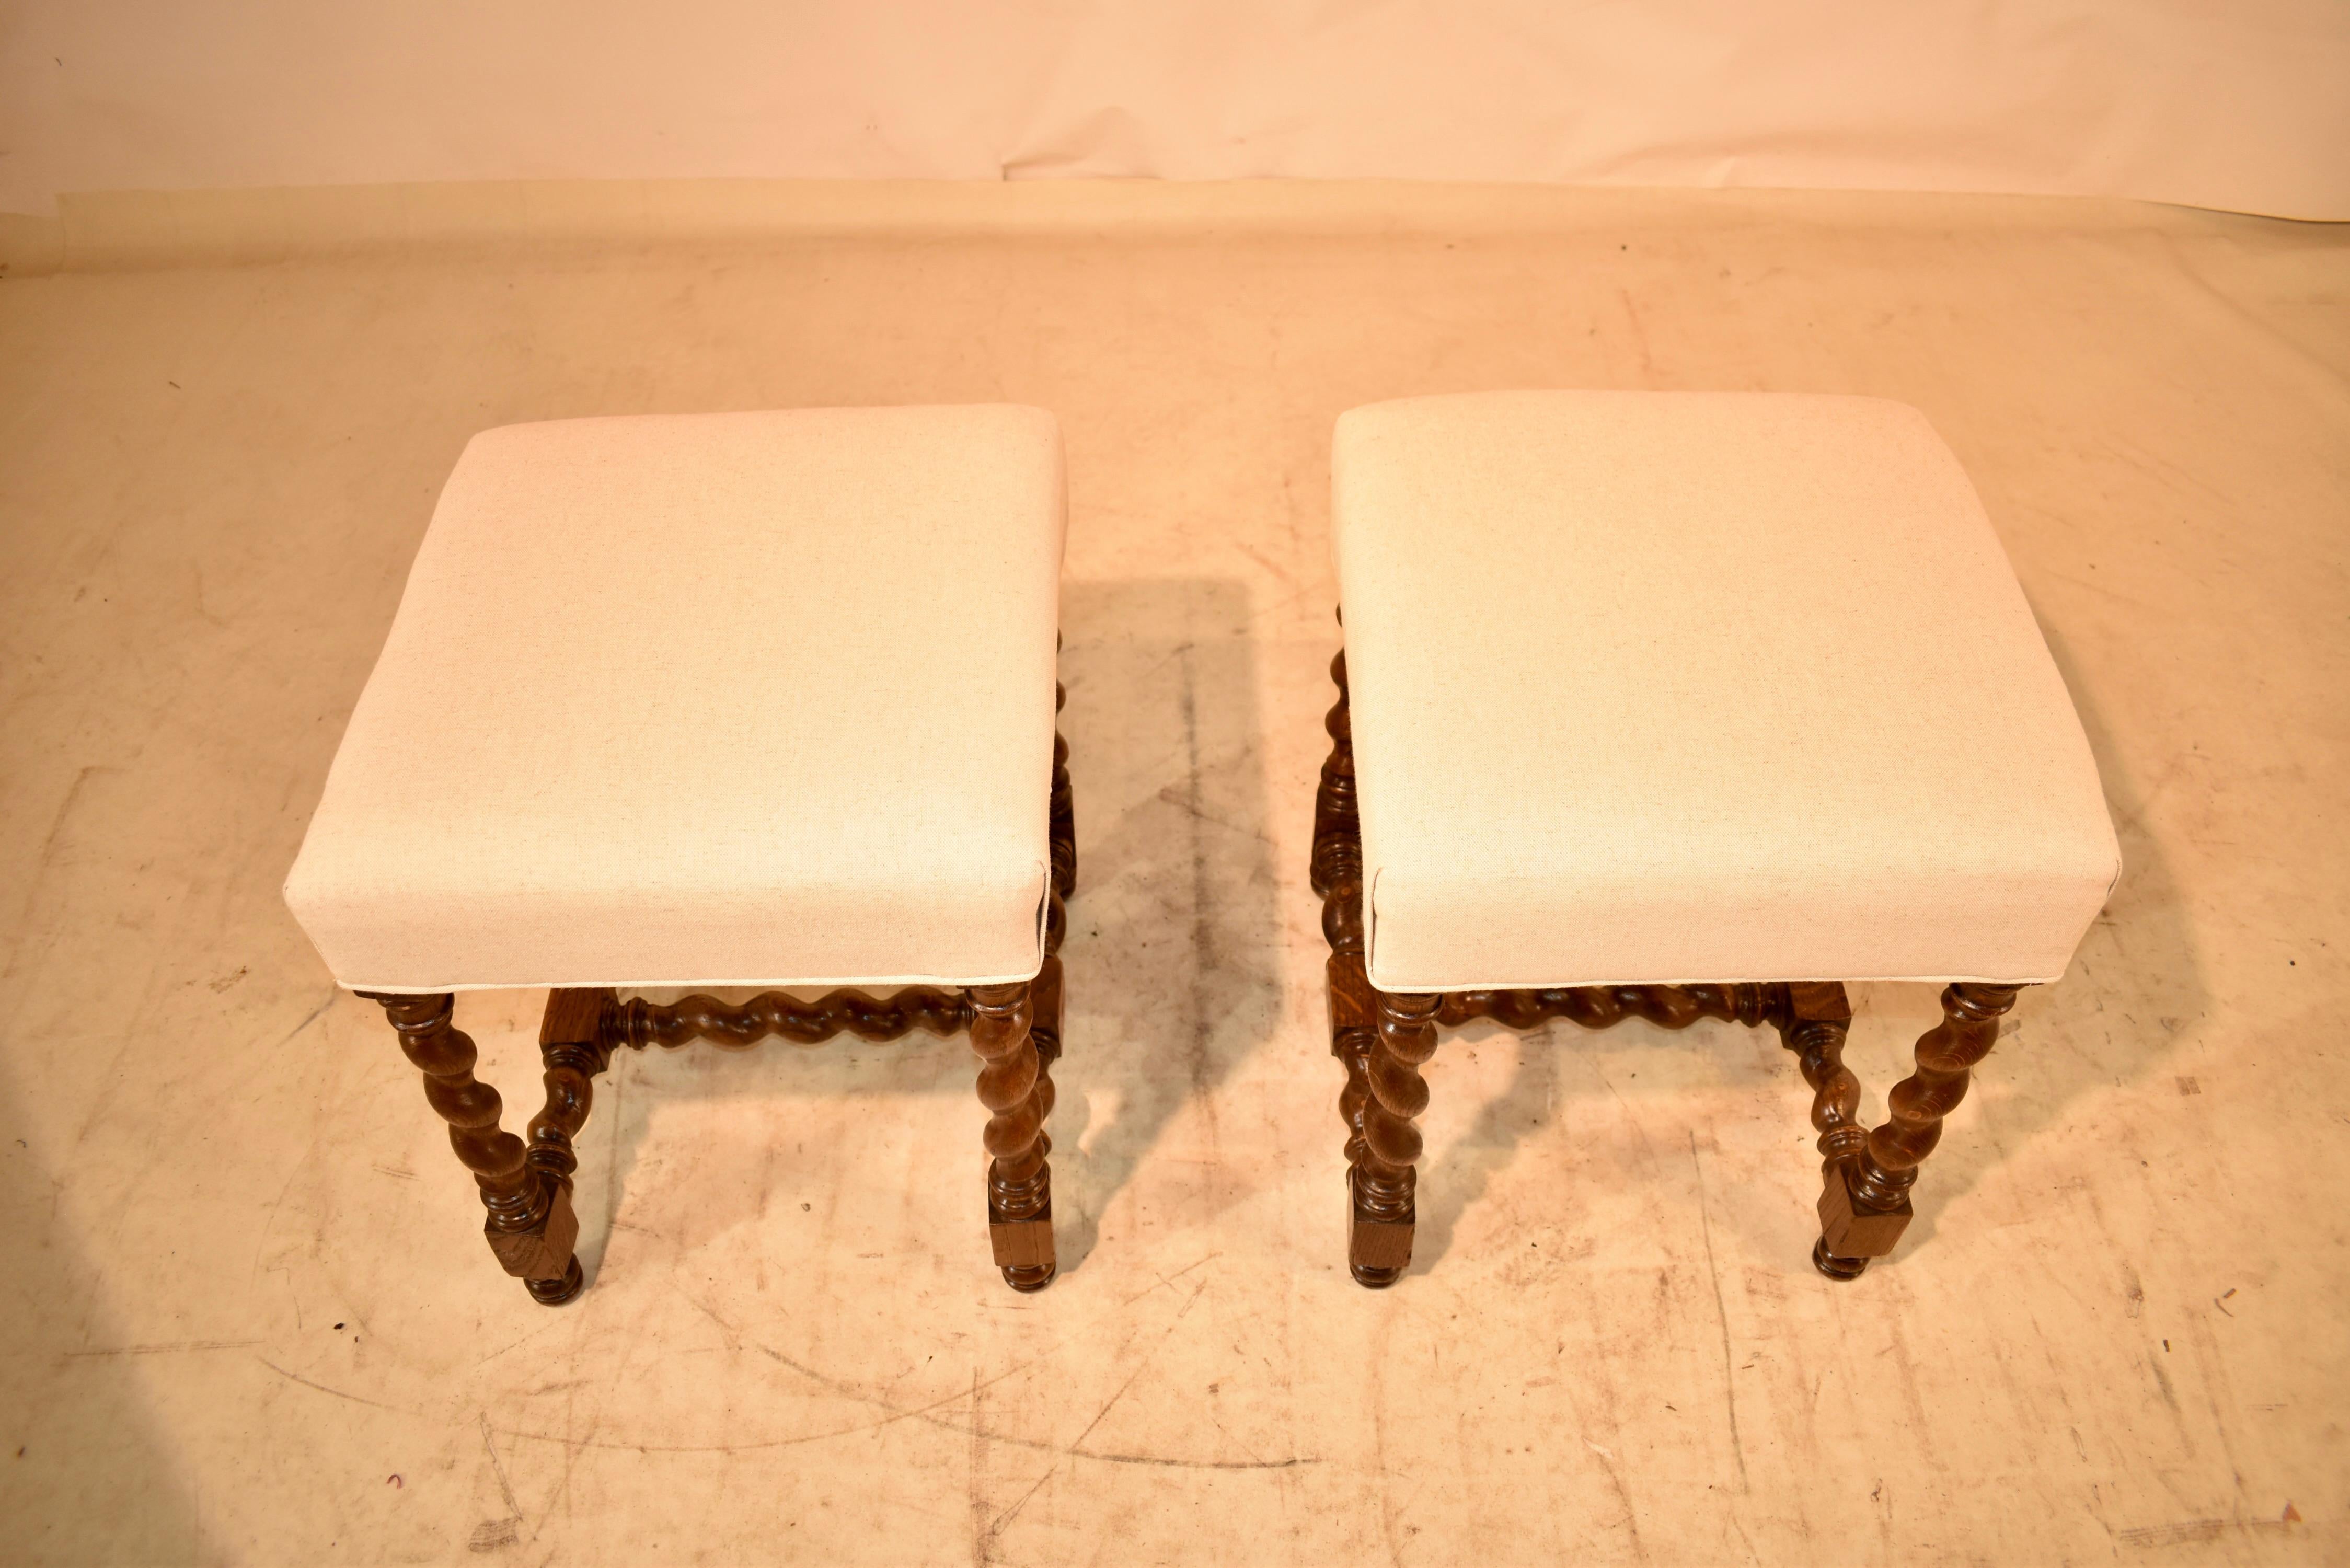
pixel 711 698
pixel 1680 687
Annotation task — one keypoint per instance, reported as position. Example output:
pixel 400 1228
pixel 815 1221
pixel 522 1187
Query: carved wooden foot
pixel 1865 1205
pixel 1014 1086
pixel 530 1226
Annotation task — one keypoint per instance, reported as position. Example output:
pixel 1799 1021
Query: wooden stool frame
pixel 1383 1037
pixel 526 1187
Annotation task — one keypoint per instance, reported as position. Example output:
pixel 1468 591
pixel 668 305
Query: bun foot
pixel 1024 1249
pixel 555 1292
pixel 1030 1276
pixel 1833 1267
pixel 1378 1251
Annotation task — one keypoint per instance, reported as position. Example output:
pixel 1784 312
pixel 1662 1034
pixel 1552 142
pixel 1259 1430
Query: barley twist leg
pixel 1866 1205
pixel 1019 1182
pixel 1384 1180
pixel 529 1224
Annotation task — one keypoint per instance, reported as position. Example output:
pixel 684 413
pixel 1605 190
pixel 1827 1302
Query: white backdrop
pixel 2242 104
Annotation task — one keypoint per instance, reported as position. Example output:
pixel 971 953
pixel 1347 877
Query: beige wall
pixel 2243 105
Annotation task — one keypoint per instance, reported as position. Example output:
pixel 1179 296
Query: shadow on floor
pixel 1173 968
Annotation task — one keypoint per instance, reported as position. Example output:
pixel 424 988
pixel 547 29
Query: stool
pixel 1680 706
pixel 726 699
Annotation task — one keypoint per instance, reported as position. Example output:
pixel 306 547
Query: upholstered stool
pixel 1680 706
pixel 725 700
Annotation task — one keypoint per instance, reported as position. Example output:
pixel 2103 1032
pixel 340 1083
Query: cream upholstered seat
pixel 718 699
pixel 1698 687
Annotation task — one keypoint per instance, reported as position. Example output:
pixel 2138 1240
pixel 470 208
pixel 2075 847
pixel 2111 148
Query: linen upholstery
pixel 1680 687
pixel 715 699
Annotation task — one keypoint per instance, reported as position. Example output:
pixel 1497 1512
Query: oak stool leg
pixel 1866 1205
pixel 1020 1221
pixel 1353 1027
pixel 1014 1087
pixel 1382 1146
pixel 530 1226
pixel 1383 1180
pixel 574 1043
pixel 1817 1020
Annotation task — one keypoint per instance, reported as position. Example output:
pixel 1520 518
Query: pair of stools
pixel 1660 705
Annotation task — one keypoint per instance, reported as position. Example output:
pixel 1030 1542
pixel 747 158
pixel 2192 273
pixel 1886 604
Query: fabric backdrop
pixel 2244 105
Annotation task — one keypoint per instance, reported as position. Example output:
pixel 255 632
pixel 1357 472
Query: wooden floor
pixel 250 1317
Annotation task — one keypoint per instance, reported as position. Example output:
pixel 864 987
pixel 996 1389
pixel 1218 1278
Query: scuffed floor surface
pixel 250 1317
